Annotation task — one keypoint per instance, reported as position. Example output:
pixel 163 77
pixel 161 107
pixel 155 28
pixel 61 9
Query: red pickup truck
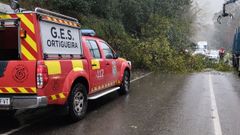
pixel 45 59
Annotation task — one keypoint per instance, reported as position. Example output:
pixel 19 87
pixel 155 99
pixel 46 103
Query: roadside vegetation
pixel 220 66
pixel 223 65
pixel 153 34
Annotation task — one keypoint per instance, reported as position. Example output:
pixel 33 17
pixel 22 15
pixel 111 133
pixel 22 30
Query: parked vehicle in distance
pixel 200 52
pixel 201 48
pixel 202 45
pixel 213 55
pixel 46 60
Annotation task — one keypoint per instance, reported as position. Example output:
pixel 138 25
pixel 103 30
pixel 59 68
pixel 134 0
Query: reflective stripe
pixel 27 22
pixel 26 53
pixel 62 95
pixel 54 67
pixel 23 90
pixel 10 90
pixel 61 21
pixel 18 90
pixel 34 90
pixel 106 85
pixel 54 97
pixel 77 65
pixel 95 64
pixel 5 17
pixel 57 96
pixel 31 42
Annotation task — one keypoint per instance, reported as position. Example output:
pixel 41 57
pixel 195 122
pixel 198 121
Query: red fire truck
pixel 45 59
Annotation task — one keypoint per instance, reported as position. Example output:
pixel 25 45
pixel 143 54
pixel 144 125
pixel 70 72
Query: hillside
pixel 153 34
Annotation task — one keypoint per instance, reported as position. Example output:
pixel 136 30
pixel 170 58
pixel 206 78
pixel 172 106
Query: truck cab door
pixel 111 69
pixel 97 67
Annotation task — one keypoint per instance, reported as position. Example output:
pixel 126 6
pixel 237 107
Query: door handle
pixel 107 64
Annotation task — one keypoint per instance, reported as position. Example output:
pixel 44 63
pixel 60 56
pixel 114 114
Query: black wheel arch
pixel 128 70
pixel 83 81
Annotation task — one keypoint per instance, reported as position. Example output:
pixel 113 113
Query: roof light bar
pixel 88 32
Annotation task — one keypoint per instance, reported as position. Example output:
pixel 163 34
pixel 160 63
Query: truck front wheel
pixel 124 89
pixel 77 103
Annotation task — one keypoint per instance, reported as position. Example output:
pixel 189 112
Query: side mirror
pixel 116 56
pixel 109 56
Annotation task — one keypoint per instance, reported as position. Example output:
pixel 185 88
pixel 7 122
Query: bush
pixel 157 55
pixel 195 63
pixel 220 66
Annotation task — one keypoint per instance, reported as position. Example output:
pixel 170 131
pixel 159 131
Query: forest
pixel 153 34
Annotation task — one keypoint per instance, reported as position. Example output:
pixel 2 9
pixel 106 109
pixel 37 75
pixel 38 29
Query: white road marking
pixel 141 77
pixel 17 129
pixel 27 125
pixel 215 116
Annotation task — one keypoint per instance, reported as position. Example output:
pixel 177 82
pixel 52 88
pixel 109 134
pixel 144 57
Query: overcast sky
pixel 208 9
pixel 204 25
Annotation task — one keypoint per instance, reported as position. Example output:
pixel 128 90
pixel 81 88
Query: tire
pixel 124 89
pixel 77 102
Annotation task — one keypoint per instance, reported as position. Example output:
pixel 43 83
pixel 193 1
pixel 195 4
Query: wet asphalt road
pixel 160 104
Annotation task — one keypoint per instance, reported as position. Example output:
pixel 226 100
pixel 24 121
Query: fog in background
pixel 204 27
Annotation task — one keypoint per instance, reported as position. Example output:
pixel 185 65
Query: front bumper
pixel 24 102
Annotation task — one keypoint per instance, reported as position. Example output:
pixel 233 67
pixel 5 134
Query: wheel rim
pixel 126 82
pixel 78 102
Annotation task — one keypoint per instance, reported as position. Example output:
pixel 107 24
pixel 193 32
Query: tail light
pixel 23 33
pixel 42 75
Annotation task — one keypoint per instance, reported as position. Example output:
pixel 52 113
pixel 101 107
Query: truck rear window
pixel 9 49
pixel 93 48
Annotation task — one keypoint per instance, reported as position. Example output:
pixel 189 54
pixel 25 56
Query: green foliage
pixel 219 66
pixel 223 67
pixel 157 54
pixel 71 6
pixel 195 63
pixel 153 54
pixel 162 26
